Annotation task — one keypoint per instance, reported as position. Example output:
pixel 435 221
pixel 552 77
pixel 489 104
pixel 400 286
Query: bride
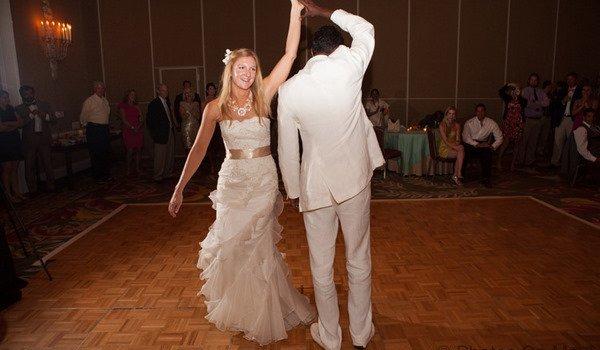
pixel 247 286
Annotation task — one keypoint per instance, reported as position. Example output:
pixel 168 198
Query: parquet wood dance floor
pixel 447 274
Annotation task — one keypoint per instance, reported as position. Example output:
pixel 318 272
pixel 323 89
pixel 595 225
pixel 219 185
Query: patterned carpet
pixel 55 218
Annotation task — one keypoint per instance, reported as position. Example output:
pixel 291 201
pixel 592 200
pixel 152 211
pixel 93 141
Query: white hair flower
pixel 227 56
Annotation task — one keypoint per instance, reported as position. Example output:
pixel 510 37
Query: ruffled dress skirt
pixel 247 282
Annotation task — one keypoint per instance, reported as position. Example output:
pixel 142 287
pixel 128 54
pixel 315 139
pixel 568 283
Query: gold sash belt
pixel 249 153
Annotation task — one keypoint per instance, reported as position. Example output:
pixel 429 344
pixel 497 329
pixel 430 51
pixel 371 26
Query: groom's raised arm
pixel 361 31
pixel 363 36
pixel 288 147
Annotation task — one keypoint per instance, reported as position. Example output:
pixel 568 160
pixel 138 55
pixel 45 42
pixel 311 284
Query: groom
pixel 333 181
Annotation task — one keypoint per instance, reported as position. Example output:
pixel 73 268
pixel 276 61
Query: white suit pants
pixel 321 229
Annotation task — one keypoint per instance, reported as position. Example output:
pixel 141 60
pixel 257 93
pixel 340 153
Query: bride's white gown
pixel 247 284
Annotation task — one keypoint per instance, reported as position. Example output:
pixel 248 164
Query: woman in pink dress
pixel 513 123
pixel 133 132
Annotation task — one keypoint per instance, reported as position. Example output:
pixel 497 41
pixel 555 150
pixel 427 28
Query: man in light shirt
pixel 564 129
pixel 586 132
pixel 37 137
pixel 94 116
pixel 377 109
pixel 537 101
pixel 476 135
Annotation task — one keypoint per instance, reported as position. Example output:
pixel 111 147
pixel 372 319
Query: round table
pixel 415 153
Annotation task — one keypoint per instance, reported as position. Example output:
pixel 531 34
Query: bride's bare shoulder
pixel 212 111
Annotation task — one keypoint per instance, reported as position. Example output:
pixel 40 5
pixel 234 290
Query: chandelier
pixel 55 38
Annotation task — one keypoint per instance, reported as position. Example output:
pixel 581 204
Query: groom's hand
pixel 295 202
pixel 314 10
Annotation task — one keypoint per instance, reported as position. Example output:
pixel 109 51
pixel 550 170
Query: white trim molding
pixel 457 53
pixel 152 48
pixel 506 43
pixel 407 63
pixel 555 41
pixel 100 40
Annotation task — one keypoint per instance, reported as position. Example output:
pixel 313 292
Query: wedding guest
pixel 187 87
pixel 162 124
pixel 450 145
pixel 512 123
pixel 95 115
pixel 210 93
pixel 216 149
pixel 377 109
pixel 565 127
pixel 544 147
pixel 432 120
pixel 477 135
pixel 586 101
pixel 37 117
pixel 10 147
pixel 132 127
pixel 587 137
pixel 393 124
pixel 536 103
pixel 190 119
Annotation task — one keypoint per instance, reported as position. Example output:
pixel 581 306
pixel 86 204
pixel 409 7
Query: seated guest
pixel 133 132
pixel 477 135
pixel 432 120
pixel 37 137
pixel 450 146
pixel 187 87
pixel 587 137
pixel 377 109
pixel 10 148
pixel 393 124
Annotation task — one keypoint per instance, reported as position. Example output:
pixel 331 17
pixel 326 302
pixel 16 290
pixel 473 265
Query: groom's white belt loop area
pixel 249 153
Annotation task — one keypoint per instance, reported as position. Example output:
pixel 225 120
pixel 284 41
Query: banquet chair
pixel 388 153
pixel 434 155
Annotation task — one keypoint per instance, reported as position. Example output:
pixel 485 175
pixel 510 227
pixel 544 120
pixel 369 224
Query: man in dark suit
pixel 187 87
pixel 161 125
pixel 37 136
pixel 571 94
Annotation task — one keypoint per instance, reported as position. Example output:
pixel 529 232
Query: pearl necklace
pixel 241 111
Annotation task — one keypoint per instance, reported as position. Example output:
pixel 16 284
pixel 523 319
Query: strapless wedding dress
pixel 247 283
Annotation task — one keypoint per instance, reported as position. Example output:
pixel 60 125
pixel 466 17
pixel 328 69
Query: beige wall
pixel 429 54
pixel 75 73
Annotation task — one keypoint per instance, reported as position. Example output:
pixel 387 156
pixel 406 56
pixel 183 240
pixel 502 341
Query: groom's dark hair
pixel 326 40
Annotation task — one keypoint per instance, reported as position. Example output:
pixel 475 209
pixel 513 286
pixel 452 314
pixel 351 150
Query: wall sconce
pixel 55 38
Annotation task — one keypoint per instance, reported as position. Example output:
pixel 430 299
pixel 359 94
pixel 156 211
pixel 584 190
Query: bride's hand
pixel 175 203
pixel 297 6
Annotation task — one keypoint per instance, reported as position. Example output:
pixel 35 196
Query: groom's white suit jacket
pixel 324 103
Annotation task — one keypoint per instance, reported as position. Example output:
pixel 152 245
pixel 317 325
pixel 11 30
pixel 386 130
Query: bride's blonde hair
pixel 260 104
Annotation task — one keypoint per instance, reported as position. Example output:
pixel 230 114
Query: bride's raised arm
pixel 282 69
